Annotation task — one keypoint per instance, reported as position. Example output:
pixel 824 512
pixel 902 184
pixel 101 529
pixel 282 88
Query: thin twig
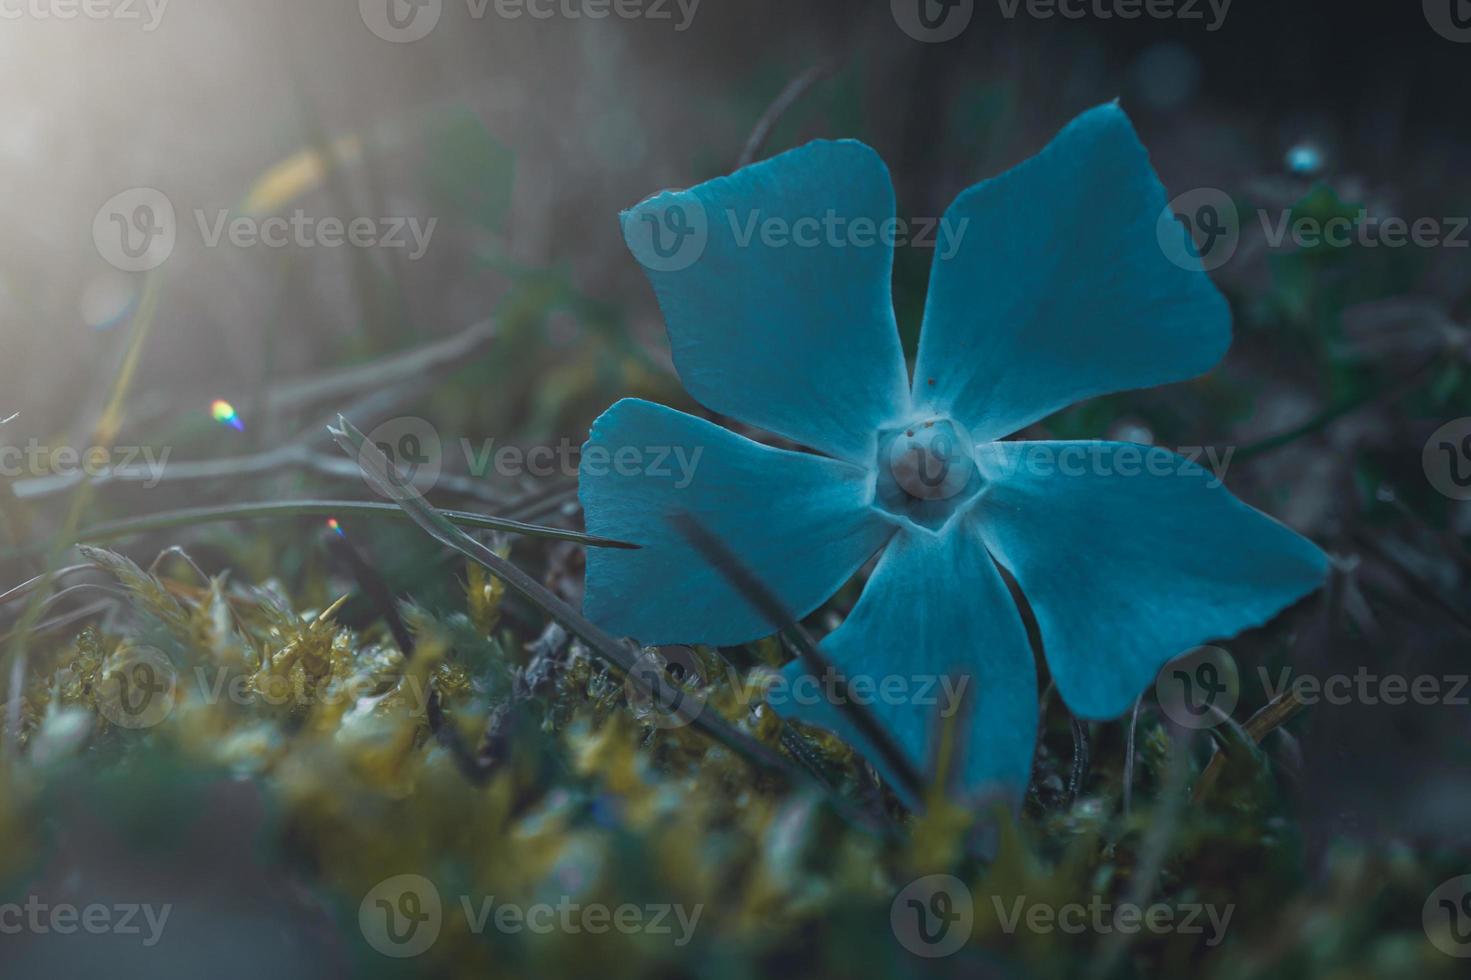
pixel 396 368
pixel 787 98
pixel 1080 759
pixel 324 508
pixel 55 623
pixel 1272 716
pixel 1382 396
pixel 29 585
pixel 1447 540
pixel 1424 589
pixel 1129 757
pixel 723 560
pixel 1152 853
pixel 375 588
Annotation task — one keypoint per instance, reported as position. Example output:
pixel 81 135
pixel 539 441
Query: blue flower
pixel 1055 284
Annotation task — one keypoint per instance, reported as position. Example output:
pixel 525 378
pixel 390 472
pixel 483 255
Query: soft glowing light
pixel 225 414
pixel 1305 160
pixel 333 526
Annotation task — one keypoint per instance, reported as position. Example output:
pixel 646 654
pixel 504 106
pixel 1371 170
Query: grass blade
pixel 325 508
pixel 723 560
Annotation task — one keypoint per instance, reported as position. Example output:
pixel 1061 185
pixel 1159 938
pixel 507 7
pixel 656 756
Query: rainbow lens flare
pixel 225 414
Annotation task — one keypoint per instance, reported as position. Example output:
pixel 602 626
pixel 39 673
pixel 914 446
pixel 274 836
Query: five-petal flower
pixel 1058 290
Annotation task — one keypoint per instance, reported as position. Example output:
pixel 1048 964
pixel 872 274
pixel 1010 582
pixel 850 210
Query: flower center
pixel 926 471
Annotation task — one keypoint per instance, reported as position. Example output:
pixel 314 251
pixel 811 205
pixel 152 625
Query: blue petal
pixel 1130 556
pixel 936 605
pixel 1060 289
pixel 800 522
pixel 798 339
